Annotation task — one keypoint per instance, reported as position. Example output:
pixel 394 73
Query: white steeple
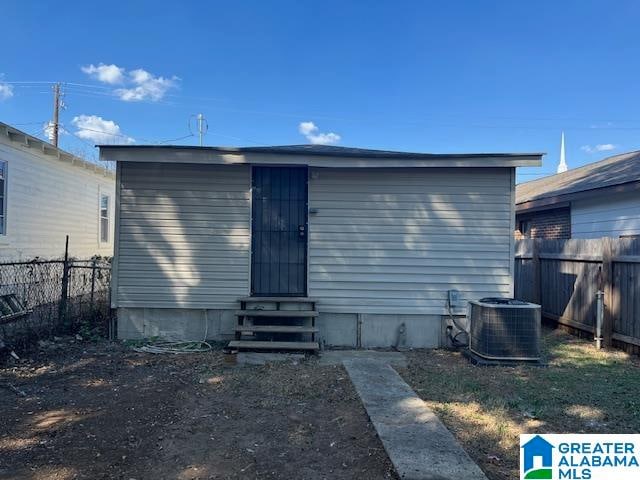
pixel 562 166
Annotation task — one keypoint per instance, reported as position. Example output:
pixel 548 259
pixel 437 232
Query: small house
pixel 213 242
pixel 601 199
pixel 47 194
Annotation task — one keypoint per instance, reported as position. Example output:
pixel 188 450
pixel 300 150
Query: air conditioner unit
pixel 505 329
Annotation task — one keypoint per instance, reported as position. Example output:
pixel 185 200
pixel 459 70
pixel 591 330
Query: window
pixel 525 228
pixel 3 198
pixel 104 218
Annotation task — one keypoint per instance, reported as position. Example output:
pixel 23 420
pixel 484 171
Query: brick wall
pixel 552 224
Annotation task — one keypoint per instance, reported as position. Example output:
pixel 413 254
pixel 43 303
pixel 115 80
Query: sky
pixel 426 76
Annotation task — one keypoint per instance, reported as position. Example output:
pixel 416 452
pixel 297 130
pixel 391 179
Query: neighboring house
pixel 601 199
pixel 377 238
pixel 46 194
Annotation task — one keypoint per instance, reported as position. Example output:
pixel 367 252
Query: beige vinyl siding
pixel 394 241
pixel 49 198
pixel 613 216
pixel 183 235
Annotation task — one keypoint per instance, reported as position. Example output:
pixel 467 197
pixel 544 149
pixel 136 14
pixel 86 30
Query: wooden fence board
pixel 564 276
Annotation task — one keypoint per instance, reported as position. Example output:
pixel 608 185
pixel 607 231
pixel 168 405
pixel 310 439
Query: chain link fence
pixel 60 298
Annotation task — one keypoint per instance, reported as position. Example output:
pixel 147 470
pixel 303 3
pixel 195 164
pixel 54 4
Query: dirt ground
pixel 103 411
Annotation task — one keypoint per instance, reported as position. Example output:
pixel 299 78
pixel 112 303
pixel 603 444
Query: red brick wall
pixel 553 224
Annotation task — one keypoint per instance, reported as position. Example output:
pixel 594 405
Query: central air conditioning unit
pixel 505 329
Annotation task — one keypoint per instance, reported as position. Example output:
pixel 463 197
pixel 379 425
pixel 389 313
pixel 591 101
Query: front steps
pixel 276 323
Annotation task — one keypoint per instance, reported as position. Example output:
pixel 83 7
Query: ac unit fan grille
pixel 505 333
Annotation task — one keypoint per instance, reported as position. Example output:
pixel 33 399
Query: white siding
pixel 613 216
pixel 395 240
pixel 184 235
pixel 47 199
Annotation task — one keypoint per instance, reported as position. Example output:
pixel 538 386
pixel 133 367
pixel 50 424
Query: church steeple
pixel 562 166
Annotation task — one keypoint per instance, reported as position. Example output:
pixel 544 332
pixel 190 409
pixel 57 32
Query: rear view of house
pixel 47 194
pixel 368 243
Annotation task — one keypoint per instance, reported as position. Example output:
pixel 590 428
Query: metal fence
pixel 60 297
pixel 564 276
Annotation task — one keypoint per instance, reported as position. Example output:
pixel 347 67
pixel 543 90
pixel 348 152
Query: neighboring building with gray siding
pixel 601 199
pixel 376 238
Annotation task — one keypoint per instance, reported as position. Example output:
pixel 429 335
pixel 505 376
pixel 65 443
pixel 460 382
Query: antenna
pixel 203 126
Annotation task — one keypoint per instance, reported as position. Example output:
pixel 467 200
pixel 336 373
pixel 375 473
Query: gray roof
pixel 612 171
pixel 12 134
pixel 324 150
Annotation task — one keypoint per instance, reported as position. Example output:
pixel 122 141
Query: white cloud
pixel 138 84
pixel 315 137
pixel 98 130
pixel 47 130
pixel 111 74
pixel 6 91
pixel 605 147
pixel 601 147
pixel 146 87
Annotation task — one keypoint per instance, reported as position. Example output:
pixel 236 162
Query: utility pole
pixel 56 114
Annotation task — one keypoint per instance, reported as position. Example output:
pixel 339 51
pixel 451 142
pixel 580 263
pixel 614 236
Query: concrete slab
pixel 337 357
pixel 418 444
pixel 259 358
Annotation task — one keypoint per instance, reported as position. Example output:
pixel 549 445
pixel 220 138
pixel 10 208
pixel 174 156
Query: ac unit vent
pixel 505 329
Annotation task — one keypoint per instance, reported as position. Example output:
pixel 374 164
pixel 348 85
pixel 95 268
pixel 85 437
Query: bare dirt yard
pixel 583 390
pixel 102 411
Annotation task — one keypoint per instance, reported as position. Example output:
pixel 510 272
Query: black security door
pixel 279 231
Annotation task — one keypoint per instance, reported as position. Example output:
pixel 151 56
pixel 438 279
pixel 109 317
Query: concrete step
pixel 277 313
pixel 278 299
pixel 276 328
pixel 257 345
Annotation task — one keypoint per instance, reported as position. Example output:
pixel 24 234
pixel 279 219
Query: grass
pixel 583 390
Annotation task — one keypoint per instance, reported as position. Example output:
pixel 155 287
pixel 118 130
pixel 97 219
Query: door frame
pixel 306 226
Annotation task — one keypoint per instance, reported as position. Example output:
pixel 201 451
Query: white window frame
pixel 3 222
pixel 102 194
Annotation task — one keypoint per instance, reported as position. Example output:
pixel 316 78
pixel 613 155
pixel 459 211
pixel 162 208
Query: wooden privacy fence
pixel 564 276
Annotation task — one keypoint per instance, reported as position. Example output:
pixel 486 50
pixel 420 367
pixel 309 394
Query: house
pixel 47 194
pixel 539 448
pixel 601 199
pixel 367 241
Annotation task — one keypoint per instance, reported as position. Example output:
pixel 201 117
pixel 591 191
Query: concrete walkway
pixel 418 444
pixel 337 357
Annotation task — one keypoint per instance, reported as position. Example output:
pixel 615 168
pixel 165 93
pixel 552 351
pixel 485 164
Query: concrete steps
pixel 276 323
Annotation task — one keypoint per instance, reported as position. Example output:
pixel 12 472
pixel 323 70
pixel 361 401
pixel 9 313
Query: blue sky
pixel 472 76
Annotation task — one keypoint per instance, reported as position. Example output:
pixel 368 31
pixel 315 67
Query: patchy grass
pixel 582 390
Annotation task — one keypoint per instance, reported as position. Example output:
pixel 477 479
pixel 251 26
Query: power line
pixel 28 123
pixel 98 90
pixel 175 139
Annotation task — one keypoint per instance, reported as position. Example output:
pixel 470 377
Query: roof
pixel 613 171
pixel 14 135
pixel 316 155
